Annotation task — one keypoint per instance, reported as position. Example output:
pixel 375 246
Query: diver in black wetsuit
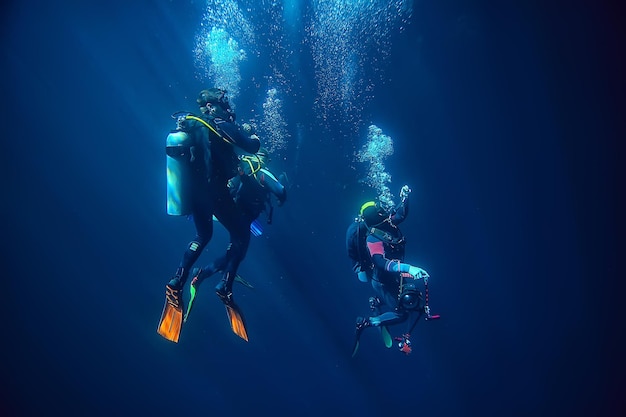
pixel 392 280
pixel 251 190
pixel 203 156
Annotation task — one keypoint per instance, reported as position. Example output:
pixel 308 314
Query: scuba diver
pixel 251 190
pixel 201 158
pixel 392 280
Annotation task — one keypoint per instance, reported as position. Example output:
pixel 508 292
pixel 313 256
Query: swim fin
pixel 384 332
pixel 236 320
pixel 192 296
pixel 172 317
pixel 361 323
pixel 243 281
pixel 195 286
pixel 355 348
pixel 255 227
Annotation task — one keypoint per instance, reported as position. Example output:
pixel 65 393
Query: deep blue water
pixel 504 124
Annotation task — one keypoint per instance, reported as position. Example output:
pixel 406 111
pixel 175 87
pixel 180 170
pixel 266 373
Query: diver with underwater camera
pixel 394 282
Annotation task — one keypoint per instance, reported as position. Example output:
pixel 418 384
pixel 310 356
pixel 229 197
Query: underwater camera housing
pixel 410 298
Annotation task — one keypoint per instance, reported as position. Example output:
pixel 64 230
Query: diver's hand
pixel 248 129
pixel 404 192
pixel 418 273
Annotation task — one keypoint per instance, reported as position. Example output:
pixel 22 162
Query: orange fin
pixel 237 323
pixel 172 317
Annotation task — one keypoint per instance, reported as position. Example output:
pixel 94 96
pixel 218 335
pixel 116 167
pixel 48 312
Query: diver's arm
pixel 377 252
pixel 232 132
pixel 402 210
pixel 376 249
pixel 234 184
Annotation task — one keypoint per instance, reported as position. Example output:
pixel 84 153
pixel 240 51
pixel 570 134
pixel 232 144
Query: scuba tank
pixel 179 173
pixel 188 160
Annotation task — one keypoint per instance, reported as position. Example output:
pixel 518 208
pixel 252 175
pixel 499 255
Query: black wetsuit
pixel 250 192
pixel 383 254
pixel 215 163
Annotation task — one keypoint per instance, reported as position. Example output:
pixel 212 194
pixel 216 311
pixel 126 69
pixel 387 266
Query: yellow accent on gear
pixel 249 160
pixel 211 128
pixel 367 205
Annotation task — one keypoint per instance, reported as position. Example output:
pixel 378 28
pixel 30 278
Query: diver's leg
pixel 235 254
pixel 385 295
pixel 207 271
pixel 237 250
pixel 204 231
pixel 388 318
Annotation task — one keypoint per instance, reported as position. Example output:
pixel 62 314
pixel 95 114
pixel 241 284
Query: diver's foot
pixel 173 296
pixel 361 323
pixel 175 283
pixel 178 280
pixel 374 303
pixel 225 294
pixel 196 281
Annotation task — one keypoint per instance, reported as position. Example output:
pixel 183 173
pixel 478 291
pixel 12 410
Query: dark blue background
pixel 505 124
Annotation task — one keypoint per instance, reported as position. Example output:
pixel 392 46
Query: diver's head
pixel 214 96
pixel 214 102
pixel 248 129
pixel 373 213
